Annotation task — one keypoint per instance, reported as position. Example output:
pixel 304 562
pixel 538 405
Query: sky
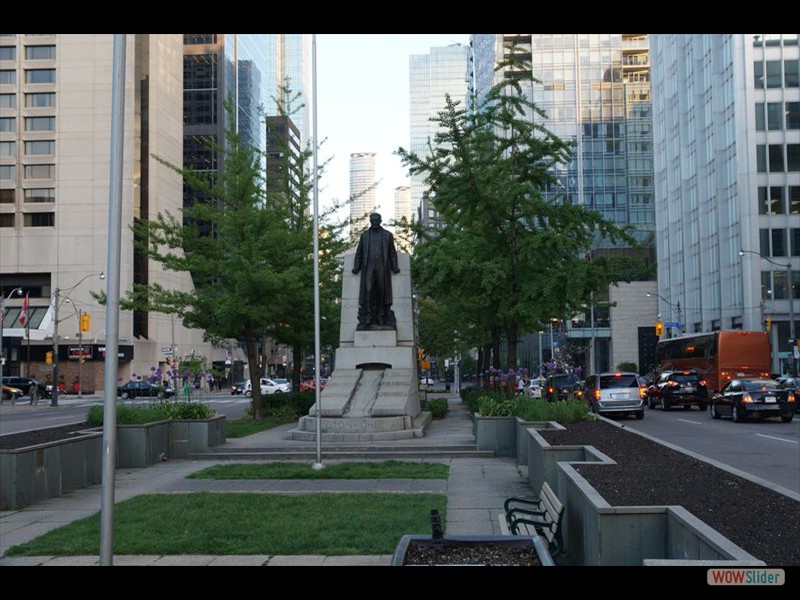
pixel 362 106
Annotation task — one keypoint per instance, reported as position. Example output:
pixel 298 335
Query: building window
pixel 758 75
pixel 775 115
pixel 795 235
pixel 40 100
pixel 760 120
pixel 6 219
pixel 8 77
pixel 776 158
pixel 793 157
pixel 8 53
pixel 791 73
pixel 199 38
pixel 8 148
pixel 774 79
pixel 40 195
pixel 40 75
pixel 8 101
pixel 776 200
pixel 794 199
pixel 6 196
pixel 40 220
pixel 40 52
pixel 40 147
pixel 8 124
pixel 778 242
pixel 8 172
pixel 761 158
pixel 763 242
pixel 40 123
pixel 40 171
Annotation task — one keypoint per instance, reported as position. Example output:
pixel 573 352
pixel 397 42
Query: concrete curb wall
pixel 497 434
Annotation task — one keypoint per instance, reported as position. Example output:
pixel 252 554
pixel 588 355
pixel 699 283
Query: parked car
pixel 557 386
pixel 144 389
pixel 283 382
pixel 683 388
pixel 268 386
pixel 619 392
pixel 11 393
pixel 793 384
pixel 26 383
pixel 238 387
pixel 534 388
pixel 762 397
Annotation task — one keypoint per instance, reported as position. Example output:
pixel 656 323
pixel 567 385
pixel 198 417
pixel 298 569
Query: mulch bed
pixel 762 522
pixel 24 439
pixel 478 553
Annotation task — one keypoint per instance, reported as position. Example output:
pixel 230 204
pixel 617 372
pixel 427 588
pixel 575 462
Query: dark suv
pixel 673 388
pixel 27 385
pixel 557 386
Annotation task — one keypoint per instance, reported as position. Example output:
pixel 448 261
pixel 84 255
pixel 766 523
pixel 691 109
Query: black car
pixel 678 388
pixel 741 398
pixel 139 389
pixel 557 387
pixel 238 387
pixel 27 385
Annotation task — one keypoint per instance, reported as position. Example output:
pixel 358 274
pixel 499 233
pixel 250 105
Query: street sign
pixel 167 351
pixel 672 324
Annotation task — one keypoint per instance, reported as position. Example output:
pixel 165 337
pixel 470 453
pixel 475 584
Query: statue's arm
pixel 357 257
pixel 393 255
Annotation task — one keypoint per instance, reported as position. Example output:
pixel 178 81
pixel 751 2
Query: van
pixel 619 392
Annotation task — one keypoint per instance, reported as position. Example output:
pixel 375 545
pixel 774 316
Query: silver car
pixel 619 392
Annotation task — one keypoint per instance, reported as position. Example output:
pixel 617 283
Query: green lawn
pixel 235 523
pixel 391 469
pixel 239 428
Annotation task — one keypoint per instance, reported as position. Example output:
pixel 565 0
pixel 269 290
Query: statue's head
pixel 374 219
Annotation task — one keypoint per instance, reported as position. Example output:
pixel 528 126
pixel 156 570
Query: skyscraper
pixel 362 188
pixel 55 107
pixel 726 114
pixel 444 70
pixel 403 210
pixel 289 60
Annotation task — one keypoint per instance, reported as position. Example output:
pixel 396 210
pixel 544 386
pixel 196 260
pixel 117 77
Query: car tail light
pixel 597 394
pixel 790 397
pixel 747 398
pixel 550 390
pixel 702 382
pixel 672 384
pixel 579 393
pixel 642 392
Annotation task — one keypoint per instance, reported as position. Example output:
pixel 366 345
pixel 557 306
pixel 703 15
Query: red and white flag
pixel 23 315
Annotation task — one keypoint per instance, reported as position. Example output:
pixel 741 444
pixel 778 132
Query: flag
pixel 23 315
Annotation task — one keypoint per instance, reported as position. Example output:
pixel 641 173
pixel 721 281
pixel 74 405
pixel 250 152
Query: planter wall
pixel 35 473
pixel 523 437
pixel 142 445
pixel 543 458
pixel 497 434
pixel 192 436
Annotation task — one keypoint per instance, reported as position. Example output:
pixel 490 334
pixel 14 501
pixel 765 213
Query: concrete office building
pixel 444 70
pixel 595 91
pixel 726 114
pixel 362 189
pixel 55 122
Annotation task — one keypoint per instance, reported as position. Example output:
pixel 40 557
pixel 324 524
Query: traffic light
pixel 659 328
pixel 48 357
pixel 768 323
pixel 420 353
pixel 85 322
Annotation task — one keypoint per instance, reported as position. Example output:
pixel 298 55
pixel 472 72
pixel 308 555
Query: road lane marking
pixel 688 421
pixel 772 437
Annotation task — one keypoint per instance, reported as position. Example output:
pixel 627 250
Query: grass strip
pixel 390 469
pixel 239 428
pixel 243 523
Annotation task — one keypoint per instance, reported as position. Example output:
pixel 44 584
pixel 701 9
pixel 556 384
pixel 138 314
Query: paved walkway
pixel 475 489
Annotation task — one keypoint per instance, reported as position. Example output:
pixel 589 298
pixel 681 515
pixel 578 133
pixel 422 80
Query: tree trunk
pixel 252 361
pixel 297 367
pixel 495 329
pixel 511 335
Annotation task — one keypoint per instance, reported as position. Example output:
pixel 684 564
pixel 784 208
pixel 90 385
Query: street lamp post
pixel 78 316
pixel 58 291
pixel 18 292
pixel 790 285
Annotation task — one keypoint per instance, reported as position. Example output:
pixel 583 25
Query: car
pixel 755 396
pixel 283 383
pixel 678 388
pixel 268 387
pixel 27 384
pixel 576 390
pixel 238 387
pixel 11 393
pixel 557 386
pixel 791 383
pixel 144 389
pixel 534 388
pixel 619 392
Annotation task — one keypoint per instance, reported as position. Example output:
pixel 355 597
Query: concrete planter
pixel 192 436
pixel 35 473
pixel 143 444
pixel 523 437
pixel 515 541
pixel 497 434
pixel 596 533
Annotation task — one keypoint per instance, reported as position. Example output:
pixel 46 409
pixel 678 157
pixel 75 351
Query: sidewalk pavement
pixel 475 489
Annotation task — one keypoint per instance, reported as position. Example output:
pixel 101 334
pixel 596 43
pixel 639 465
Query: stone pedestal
pixel 374 391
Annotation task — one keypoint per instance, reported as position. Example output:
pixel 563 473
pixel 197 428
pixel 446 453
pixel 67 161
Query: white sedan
pixel 269 386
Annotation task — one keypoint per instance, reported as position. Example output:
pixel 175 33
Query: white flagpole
pixel 318 464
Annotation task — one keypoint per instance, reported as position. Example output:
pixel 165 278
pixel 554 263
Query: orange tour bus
pixel 718 356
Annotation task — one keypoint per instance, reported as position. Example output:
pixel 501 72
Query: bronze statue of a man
pixel 376 260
